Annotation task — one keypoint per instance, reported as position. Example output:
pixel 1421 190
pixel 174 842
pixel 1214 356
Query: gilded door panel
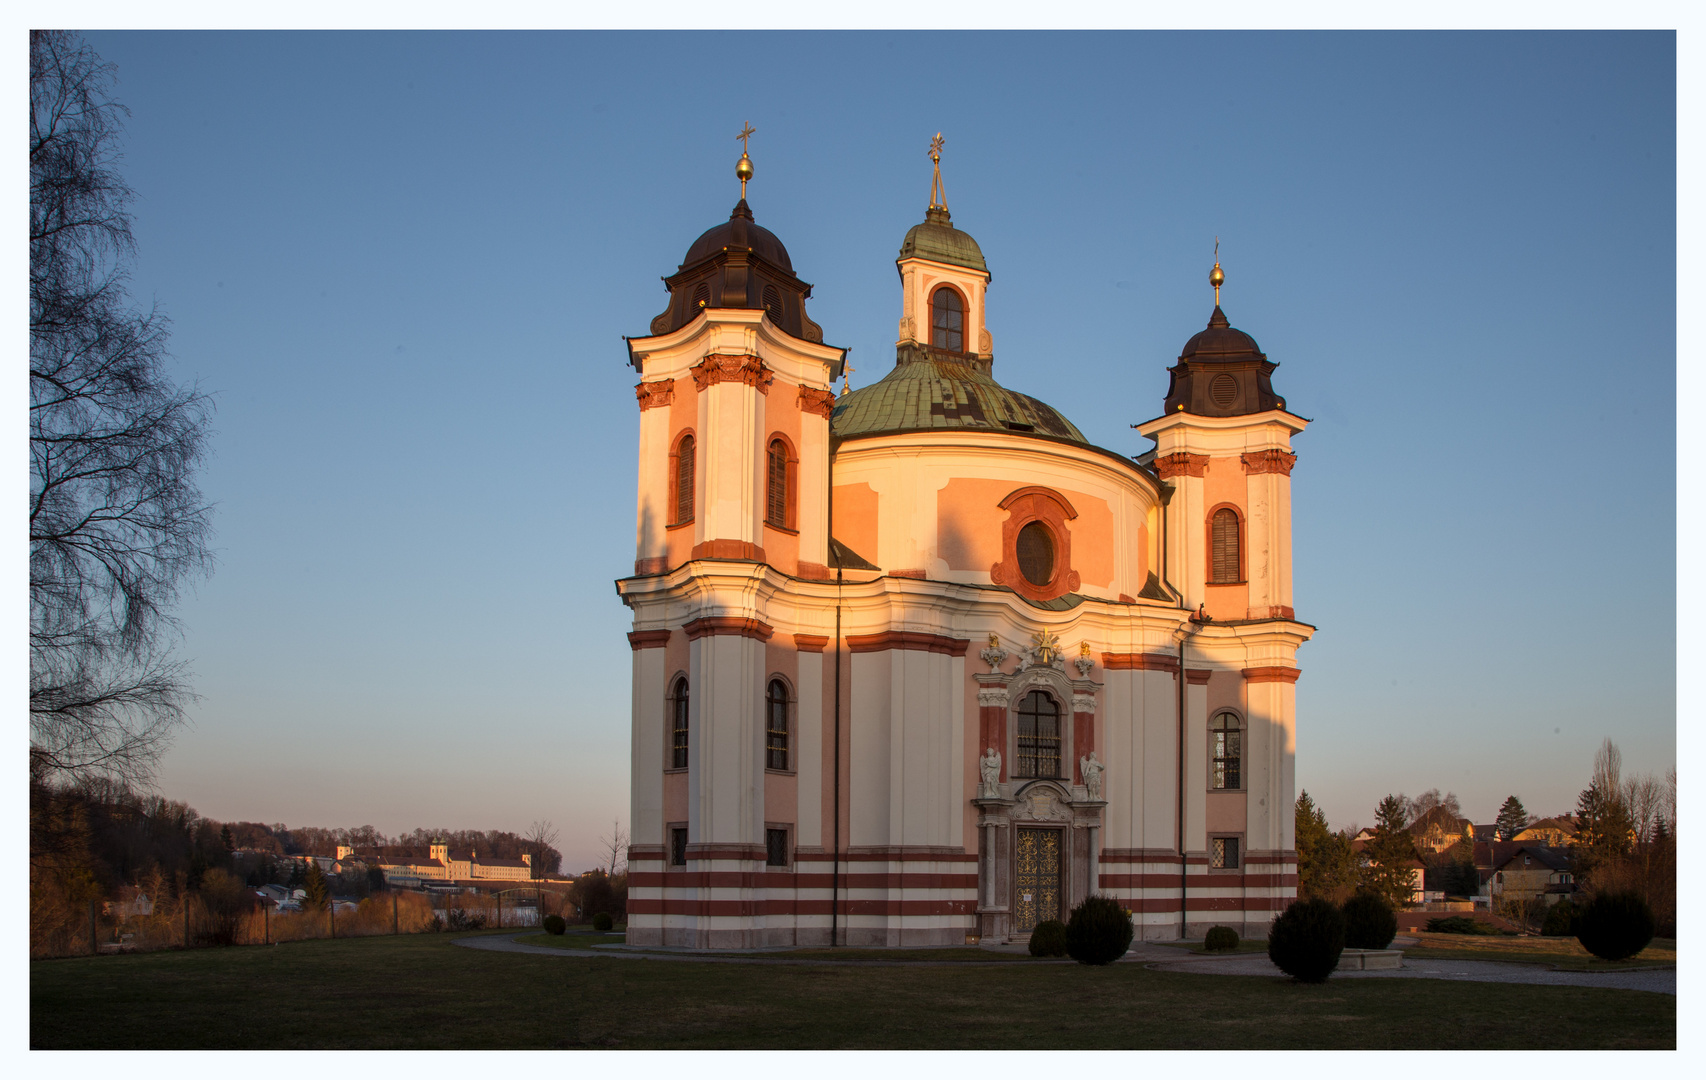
pixel 1037 880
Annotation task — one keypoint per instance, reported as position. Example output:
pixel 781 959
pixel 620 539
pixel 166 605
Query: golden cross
pixel 847 371
pixel 936 147
pixel 938 195
pixel 747 131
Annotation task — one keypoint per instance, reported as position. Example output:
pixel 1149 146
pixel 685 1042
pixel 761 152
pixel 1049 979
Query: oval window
pixel 1036 554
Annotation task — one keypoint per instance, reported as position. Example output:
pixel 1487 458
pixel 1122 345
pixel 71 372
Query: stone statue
pixel 989 769
pixel 1092 770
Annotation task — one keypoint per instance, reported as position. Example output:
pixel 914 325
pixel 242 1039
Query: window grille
pixel 684 480
pixel 947 320
pixel 775 847
pixel 776 726
pixel 1227 751
pixel 1039 736
pixel 678 725
pixel 1035 549
pixel 776 512
pixel 678 847
pixel 1223 853
pixel 1225 569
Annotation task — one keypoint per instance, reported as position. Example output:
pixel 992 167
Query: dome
pixel 740 231
pixel 931 391
pixel 936 239
pixel 1220 340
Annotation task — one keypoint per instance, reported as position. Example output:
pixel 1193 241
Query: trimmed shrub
pixel 1306 940
pixel 1220 939
pixel 1460 924
pixel 554 924
pixel 602 922
pixel 1560 920
pixel 1370 922
pixel 1049 938
pixel 1099 931
pixel 1615 925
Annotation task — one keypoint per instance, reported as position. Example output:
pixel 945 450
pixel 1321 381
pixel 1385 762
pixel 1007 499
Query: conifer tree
pixel 1512 819
pixel 314 886
pixel 1390 851
pixel 1326 866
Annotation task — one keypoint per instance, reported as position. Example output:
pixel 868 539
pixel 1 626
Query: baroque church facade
pixel 917 663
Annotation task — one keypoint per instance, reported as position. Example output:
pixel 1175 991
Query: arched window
pixel 1224 565
pixel 947 320
pixel 684 480
pixel 678 725
pixel 1039 736
pixel 1035 549
pixel 773 304
pixel 1226 752
pixel 776 506
pixel 776 725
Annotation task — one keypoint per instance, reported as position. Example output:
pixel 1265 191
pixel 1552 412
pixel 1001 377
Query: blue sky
pixel 403 261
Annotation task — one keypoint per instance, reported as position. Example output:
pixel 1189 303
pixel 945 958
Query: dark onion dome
pixel 1221 372
pixel 740 231
pixel 936 239
pixel 935 390
pixel 738 264
pixel 1221 340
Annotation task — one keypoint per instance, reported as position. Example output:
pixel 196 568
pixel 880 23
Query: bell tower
pixel 935 256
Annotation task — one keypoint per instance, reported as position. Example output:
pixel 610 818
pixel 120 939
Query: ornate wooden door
pixel 1037 881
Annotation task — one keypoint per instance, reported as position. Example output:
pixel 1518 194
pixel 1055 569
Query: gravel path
pixel 1158 957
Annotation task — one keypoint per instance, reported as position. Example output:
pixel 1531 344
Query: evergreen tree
pixel 1512 819
pixel 1603 829
pixel 314 885
pixel 1326 865
pixel 225 838
pixel 1390 851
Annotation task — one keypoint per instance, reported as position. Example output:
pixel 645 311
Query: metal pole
pixel 186 919
pixel 332 916
pixel 393 913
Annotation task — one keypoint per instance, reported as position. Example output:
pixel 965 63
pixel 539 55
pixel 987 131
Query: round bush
pixel 1615 925
pixel 1220 939
pixel 554 924
pixel 602 922
pixel 1306 940
pixel 1099 931
pixel 1049 938
pixel 1560 920
pixel 1370 922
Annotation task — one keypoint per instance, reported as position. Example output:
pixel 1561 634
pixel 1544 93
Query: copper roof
pixel 935 390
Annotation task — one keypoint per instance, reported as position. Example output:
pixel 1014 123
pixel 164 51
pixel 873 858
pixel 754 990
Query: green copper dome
pixel 936 239
pixel 933 390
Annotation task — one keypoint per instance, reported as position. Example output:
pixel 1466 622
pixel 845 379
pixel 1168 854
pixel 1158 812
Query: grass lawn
pixel 1565 954
pixel 424 991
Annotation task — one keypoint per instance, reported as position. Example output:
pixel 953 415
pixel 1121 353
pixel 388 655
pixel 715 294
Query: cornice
pixel 1280 417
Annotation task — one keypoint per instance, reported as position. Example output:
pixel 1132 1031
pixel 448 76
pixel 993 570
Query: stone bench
pixel 1371 960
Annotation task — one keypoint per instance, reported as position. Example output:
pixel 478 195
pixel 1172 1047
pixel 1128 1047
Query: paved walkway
pixel 1655 981
pixel 1158 957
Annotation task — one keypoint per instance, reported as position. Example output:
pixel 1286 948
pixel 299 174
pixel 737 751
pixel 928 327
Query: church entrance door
pixel 1037 882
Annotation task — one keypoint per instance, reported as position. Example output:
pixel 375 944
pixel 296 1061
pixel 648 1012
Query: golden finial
pixel 1084 649
pixel 938 195
pixel 847 371
pixel 743 167
pixel 1215 276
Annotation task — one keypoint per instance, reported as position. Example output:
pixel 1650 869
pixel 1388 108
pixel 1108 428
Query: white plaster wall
pixel 725 741
pixel 809 764
pixel 652 511
pixel 869 772
pixel 1160 749
pixel 645 816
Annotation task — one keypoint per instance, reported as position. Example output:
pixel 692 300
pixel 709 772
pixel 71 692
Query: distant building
pixel 441 864
pixel 1552 832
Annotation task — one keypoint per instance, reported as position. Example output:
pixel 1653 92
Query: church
pixel 919 664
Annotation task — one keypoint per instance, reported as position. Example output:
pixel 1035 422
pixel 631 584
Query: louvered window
pixel 776 726
pixel 678 725
pixel 1035 548
pixel 684 480
pixel 1039 736
pixel 1226 752
pixel 947 320
pixel 776 507
pixel 1224 562
pixel 701 297
pixel 773 304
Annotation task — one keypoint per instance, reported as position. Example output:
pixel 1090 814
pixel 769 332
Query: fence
pixel 196 921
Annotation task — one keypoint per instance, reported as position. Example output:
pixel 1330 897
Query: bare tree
pixel 543 836
pixel 1608 770
pixel 116 520
pixel 616 846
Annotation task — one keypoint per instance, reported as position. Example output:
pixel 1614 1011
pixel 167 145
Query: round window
pixel 1223 389
pixel 1036 553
